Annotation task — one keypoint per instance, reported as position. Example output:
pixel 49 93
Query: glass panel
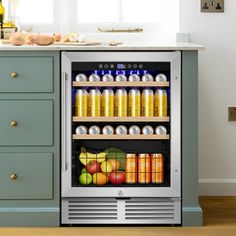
pixel 143 11
pixel 106 162
pixel 35 12
pixel 94 11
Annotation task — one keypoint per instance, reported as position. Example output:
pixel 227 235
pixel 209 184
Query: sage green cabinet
pixel 29 138
pixel 26 122
pixel 26 176
pixel 26 74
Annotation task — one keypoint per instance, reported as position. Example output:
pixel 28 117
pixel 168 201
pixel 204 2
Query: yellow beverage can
pixel 81 103
pixel 147 103
pixel 161 103
pixel 121 103
pixel 134 103
pixel 108 103
pixel 94 103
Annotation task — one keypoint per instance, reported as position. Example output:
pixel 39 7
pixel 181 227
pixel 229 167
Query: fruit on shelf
pixel 114 163
pixel 84 170
pixel 106 167
pixel 117 154
pixel 100 179
pixel 85 179
pixel 93 167
pixel 117 177
pixel 85 157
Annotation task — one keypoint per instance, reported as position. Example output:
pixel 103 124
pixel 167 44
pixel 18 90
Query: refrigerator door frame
pixel 174 57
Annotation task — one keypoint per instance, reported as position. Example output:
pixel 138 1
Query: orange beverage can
pixel 161 103
pixel 131 169
pixel 147 103
pixel 134 103
pixel 121 103
pixel 108 103
pixel 157 168
pixel 81 103
pixel 144 168
pixel 94 103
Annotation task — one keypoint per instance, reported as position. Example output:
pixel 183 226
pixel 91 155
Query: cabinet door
pixel 26 74
pixel 26 176
pixel 26 122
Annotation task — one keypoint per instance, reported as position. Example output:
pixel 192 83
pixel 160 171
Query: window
pixel 88 15
pixel 35 12
pixel 152 15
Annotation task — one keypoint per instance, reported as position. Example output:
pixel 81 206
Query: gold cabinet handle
pixel 13 177
pixel 13 75
pixel 13 123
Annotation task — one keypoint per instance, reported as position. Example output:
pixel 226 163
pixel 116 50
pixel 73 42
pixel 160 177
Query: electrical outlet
pixel 212 6
pixel 232 113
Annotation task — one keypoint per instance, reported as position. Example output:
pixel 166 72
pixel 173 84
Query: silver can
pixel 81 78
pixel 121 130
pixel 94 78
pixel 121 78
pixel 81 130
pixel 108 78
pixel 108 130
pixel 148 130
pixel 93 130
pixel 134 78
pixel 133 130
pixel 161 130
pixel 161 78
pixel 147 78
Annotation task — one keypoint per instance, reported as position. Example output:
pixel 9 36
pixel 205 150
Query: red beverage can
pixel 157 168
pixel 144 168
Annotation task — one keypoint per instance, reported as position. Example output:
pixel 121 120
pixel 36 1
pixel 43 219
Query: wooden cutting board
pixel 87 43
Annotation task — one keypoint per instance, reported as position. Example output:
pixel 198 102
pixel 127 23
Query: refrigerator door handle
pixel 64 131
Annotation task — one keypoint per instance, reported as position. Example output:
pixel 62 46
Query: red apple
pixel 117 177
pixel 93 167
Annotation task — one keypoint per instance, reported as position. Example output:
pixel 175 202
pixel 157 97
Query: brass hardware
pixel 136 30
pixel 13 124
pixel 13 177
pixel 14 75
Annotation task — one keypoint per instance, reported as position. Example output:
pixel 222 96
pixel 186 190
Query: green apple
pixel 84 170
pixel 85 179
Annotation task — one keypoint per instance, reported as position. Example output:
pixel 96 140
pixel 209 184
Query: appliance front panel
pixel 120 61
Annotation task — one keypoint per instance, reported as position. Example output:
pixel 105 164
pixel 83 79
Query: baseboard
pixel 192 216
pixel 29 217
pixel 217 187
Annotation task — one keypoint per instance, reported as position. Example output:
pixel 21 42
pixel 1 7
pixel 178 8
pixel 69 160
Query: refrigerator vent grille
pixel 121 211
pixel 92 209
pixel 149 209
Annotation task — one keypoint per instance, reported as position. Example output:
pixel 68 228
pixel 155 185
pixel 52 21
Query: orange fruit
pixel 100 178
pixel 114 163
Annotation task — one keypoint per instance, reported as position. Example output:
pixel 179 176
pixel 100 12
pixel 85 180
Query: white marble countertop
pixel 104 47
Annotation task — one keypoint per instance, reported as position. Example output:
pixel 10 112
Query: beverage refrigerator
pixel 121 138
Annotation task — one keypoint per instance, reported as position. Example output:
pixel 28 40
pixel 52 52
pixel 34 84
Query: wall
pixel 217 91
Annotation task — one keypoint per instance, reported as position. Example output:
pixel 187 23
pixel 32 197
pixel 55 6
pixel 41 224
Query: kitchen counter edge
pixel 161 47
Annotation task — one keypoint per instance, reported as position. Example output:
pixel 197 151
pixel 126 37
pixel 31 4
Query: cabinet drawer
pixel 26 176
pixel 26 122
pixel 26 74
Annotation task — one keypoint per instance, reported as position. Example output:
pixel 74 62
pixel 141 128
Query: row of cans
pixel 120 130
pixel 121 103
pixel 144 168
pixel 121 78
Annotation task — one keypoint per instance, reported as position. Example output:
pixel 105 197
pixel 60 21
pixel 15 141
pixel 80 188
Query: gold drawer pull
pixel 14 75
pixel 13 177
pixel 13 123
